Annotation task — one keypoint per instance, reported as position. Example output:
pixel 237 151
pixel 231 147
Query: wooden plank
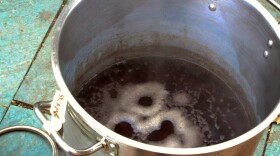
pixel 260 148
pixel 273 144
pixel 23 26
pixel 39 84
pixel 2 111
pixel 22 143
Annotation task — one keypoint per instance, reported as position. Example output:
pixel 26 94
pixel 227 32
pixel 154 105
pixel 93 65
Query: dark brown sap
pixel 166 102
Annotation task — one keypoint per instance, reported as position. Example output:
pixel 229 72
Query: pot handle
pixel 45 105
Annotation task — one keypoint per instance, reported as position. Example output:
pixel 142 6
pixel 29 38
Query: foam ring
pixel 131 94
pixel 122 117
pixel 182 127
pixel 189 132
pixel 128 101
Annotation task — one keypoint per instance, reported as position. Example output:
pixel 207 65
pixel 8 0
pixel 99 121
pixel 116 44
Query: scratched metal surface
pixel 19 41
pixel 23 26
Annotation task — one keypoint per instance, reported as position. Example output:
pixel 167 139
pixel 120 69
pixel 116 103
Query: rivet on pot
pixel 212 7
pixel 98 139
pixel 112 146
pixel 270 43
pixel 266 54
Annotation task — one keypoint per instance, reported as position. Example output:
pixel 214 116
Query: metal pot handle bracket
pixel 101 144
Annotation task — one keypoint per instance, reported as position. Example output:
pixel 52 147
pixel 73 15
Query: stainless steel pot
pixel 236 40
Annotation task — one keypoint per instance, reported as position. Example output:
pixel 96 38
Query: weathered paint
pixel 39 84
pixel 273 144
pixel 23 26
pixel 2 111
pixel 275 13
pixel 261 145
pixel 22 143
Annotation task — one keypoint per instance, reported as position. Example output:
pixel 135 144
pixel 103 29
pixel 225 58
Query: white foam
pixel 125 108
pixel 189 133
pixel 130 95
pixel 182 98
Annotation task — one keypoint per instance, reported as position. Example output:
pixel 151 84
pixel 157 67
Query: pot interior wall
pixel 229 42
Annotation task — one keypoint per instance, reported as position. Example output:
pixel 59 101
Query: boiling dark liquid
pixel 166 102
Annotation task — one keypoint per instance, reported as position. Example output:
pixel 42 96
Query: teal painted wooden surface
pixel 22 143
pixel 261 145
pixel 273 144
pixel 39 84
pixel 274 12
pixel 2 111
pixel 23 26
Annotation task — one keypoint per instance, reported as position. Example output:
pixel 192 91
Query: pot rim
pixel 95 125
